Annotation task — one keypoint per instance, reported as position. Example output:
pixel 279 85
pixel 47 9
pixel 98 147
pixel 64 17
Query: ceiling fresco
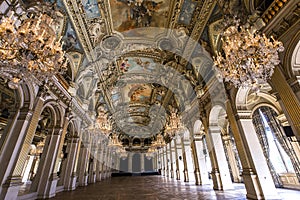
pixel 133 14
pixel 137 65
pixel 91 8
pixel 138 93
pixel 187 12
pixel 132 60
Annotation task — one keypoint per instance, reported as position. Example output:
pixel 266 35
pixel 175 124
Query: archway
pixel 220 171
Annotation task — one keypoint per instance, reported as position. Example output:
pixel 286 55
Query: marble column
pixel 99 164
pixel 45 186
pixel 154 162
pixel 185 166
pixel 16 145
pixel 69 174
pixel 160 161
pixel 105 163
pixel 142 162
pixel 257 177
pixel 167 161
pixel 220 171
pixel 202 162
pixel 130 162
pixel 198 180
pixel 108 172
pixel 164 162
pixel 171 150
pixel 92 165
pixel 82 165
pixel 231 158
pixel 118 163
pixel 177 169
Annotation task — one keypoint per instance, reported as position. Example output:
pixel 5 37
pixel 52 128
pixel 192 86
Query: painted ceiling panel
pixel 135 14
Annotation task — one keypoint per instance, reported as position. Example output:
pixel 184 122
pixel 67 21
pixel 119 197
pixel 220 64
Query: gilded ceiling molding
pixel 74 12
pixel 173 16
pixel 273 9
pixel 285 17
pixel 202 20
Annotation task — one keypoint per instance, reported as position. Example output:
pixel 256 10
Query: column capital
pixel 243 114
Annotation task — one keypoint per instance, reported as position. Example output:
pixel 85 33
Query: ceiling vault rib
pixel 198 29
pixel 80 28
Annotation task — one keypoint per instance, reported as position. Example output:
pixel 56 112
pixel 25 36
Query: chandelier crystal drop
pixel 249 58
pixel 30 50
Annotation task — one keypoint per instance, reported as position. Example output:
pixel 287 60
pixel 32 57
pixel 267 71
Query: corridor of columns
pixel 149 99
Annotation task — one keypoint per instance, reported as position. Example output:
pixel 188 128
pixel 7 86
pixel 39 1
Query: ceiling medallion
pixel 29 50
pixel 249 57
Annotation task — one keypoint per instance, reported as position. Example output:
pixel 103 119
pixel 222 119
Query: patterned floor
pixel 158 188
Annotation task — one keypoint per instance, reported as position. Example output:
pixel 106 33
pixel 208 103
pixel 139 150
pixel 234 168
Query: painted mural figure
pixel 141 11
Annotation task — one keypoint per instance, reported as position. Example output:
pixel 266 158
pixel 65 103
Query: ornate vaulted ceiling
pixel 138 60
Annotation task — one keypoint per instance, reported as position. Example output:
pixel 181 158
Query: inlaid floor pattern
pixel 158 188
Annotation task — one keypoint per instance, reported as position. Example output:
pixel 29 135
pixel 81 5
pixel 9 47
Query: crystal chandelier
pixel 174 126
pixel 159 142
pixel 30 50
pixel 249 57
pixel 151 152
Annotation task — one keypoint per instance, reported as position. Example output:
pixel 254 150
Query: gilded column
pixel 288 101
